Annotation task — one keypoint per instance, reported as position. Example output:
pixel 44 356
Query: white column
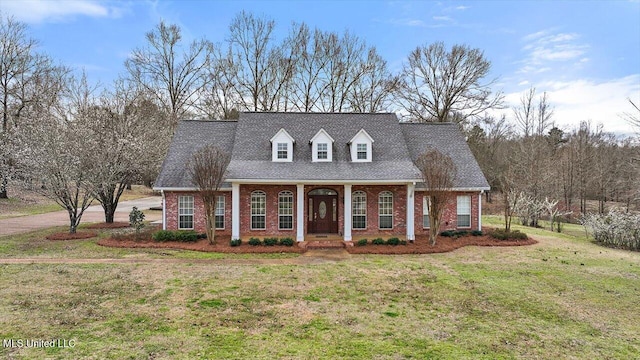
pixel 235 211
pixel 480 210
pixel 164 211
pixel 411 230
pixel 347 213
pixel 300 212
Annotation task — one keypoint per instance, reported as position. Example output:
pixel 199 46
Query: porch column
pixel 235 211
pixel 300 212
pixel 164 211
pixel 347 212
pixel 411 229
pixel 480 210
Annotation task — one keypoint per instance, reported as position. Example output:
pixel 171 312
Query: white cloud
pixel 546 46
pixel 579 100
pixel 442 18
pixel 37 11
pixel 462 7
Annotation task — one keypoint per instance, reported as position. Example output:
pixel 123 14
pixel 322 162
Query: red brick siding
pixel 199 219
pixel 449 219
pixel 399 209
pixel 271 228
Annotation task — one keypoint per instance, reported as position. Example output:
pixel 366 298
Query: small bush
pixel 403 242
pixel 393 241
pixel 377 241
pixel 286 241
pixel 501 234
pixel 202 236
pixel 235 242
pixel 362 242
pixel 255 242
pixel 460 233
pixel 447 233
pixel 136 219
pixel 476 233
pixel 270 241
pixel 179 235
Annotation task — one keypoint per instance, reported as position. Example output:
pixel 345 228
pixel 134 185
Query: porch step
pixel 324 244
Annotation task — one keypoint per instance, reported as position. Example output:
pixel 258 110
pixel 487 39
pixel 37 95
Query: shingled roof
pixel 248 140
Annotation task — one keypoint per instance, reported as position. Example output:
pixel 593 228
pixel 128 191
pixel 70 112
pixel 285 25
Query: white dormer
pixel 360 146
pixel 321 147
pixel 282 147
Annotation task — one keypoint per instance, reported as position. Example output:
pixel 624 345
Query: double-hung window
pixel 220 212
pixel 283 151
pixel 426 223
pixel 464 211
pixel 361 151
pixel 285 210
pixel 359 210
pixel 385 210
pixel 258 210
pixel 323 152
pixel 185 212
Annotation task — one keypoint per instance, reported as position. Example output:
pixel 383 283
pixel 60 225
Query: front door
pixel 324 214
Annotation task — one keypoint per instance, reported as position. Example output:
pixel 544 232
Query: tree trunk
pixel 73 223
pixel 109 214
pixel 3 189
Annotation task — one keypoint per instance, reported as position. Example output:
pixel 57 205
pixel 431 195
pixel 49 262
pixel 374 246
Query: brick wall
pixel 199 219
pixel 399 209
pixel 272 211
pixel 449 218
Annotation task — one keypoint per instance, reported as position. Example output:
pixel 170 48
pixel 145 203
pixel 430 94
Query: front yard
pixel 564 297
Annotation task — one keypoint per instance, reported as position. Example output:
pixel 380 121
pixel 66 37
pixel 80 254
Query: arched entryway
pixel 322 211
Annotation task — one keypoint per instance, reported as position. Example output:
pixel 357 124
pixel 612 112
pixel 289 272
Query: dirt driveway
pixel 94 213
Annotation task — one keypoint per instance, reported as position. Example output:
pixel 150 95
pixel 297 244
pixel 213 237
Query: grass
pixel 563 298
pixel 21 209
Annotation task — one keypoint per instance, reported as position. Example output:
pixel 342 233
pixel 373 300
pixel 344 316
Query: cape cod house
pixel 300 174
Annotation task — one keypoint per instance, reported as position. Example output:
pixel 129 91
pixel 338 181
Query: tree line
pixel 73 140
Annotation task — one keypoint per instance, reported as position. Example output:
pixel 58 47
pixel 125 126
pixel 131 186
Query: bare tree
pixel 373 89
pixel 438 83
pixel 207 168
pixel 438 173
pixel 633 117
pixel 173 76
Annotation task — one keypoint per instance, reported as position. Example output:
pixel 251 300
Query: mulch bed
pixel 221 246
pixel 113 225
pixel 422 245
pixel 67 236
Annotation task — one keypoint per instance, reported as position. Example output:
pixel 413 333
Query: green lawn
pixel 562 298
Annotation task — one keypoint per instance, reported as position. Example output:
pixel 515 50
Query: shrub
pixel 235 242
pixel 403 242
pixel 136 219
pixel 476 233
pixel 502 234
pixel 179 235
pixel 361 242
pixel 202 236
pixel 286 241
pixel 254 241
pixel 270 241
pixel 377 241
pixel 460 233
pixel 393 241
pixel 616 229
pixel 447 233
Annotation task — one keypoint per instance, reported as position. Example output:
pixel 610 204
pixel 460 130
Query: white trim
pixel 184 189
pixel 392 210
pixel 459 189
pixel 164 211
pixel 363 132
pixel 323 182
pixel 264 194
pixel 366 211
pixel 235 211
pixel 299 212
pixel 193 212
pixel 279 215
pixel 282 137
pixel 480 210
pixel 224 210
pixel 347 212
pixel 458 211
pixel 319 133
pixel 411 230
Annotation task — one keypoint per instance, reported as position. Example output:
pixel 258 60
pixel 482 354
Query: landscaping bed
pixel 113 225
pixel 222 245
pixel 68 236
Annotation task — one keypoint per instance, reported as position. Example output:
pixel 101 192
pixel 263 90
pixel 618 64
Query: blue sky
pixel 585 54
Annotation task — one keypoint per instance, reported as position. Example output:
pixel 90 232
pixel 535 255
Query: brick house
pixel 302 174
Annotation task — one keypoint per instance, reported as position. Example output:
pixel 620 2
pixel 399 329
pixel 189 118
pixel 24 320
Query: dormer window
pixel 361 150
pixel 322 151
pixel 321 147
pixel 282 147
pixel 361 147
pixel 283 151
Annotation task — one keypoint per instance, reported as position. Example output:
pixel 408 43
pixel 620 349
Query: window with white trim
pixel 385 210
pixel 285 210
pixel 185 212
pixel 220 212
pixel 361 151
pixel 425 212
pixel 283 151
pixel 359 210
pixel 464 211
pixel 323 152
pixel 258 210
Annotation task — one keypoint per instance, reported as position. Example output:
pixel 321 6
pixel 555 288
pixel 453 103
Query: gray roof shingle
pixel 248 139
